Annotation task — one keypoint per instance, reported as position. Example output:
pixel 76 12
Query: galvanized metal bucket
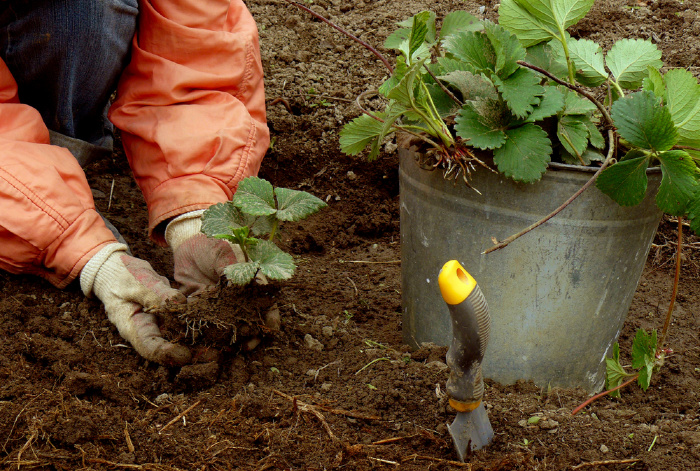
pixel 558 296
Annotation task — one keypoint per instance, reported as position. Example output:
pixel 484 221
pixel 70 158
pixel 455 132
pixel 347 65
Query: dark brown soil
pixel 331 386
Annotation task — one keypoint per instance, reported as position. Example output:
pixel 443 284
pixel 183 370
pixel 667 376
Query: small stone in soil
pixel 312 343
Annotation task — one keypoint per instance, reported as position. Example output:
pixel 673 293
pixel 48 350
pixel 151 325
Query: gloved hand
pixel 130 289
pixel 199 260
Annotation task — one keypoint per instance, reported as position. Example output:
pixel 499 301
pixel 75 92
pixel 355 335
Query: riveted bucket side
pixel 558 296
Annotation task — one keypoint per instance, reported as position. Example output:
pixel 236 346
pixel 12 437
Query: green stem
pixel 568 141
pixel 619 89
pixel 435 124
pixel 406 129
pixel 244 249
pixel 445 134
pixel 569 62
pixel 273 231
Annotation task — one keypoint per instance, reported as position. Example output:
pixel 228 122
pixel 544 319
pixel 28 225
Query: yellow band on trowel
pixel 456 284
pixel 464 406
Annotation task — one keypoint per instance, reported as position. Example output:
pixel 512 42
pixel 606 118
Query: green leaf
pixel 507 47
pixel 474 48
pixel 260 226
pixel 521 91
pixel 529 29
pixel 642 121
pixel 273 262
pixel 538 20
pixel 445 65
pixel 683 100
pixel 679 182
pixel 694 212
pixel 255 196
pixel 588 59
pixel 565 12
pixel 431 34
pixel 415 38
pixel 399 72
pixel 398 40
pixel 594 135
pixel 358 133
pixel 575 104
pixel 444 104
pixel 393 112
pixel 294 205
pixel 525 154
pixel 545 57
pixel 589 155
pixel 483 129
pixel 615 374
pixel 629 59
pixel 643 348
pixel 404 92
pixel 634 154
pixel 573 134
pixel 470 86
pixel 241 273
pixel 643 356
pixel 626 181
pixel 655 83
pixel 419 31
pixel 219 218
pixel 551 103
pixel 457 22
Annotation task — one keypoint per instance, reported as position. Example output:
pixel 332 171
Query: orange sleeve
pixel 191 105
pixel 48 223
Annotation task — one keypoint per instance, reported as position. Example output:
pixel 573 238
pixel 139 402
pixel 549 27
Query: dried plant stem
pixel 674 293
pixel 442 86
pixel 179 416
pixel 608 159
pixel 604 393
pixel 346 33
pixel 309 409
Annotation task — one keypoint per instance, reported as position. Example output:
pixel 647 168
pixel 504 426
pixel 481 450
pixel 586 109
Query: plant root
pixel 309 409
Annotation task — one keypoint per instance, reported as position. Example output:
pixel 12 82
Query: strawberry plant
pixel 257 210
pixel 519 89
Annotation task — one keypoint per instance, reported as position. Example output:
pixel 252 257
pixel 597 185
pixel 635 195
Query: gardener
pixel 190 106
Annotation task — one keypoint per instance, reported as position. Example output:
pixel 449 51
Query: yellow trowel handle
pixel 471 325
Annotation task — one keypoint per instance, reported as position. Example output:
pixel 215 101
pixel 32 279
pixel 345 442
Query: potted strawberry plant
pixel 528 118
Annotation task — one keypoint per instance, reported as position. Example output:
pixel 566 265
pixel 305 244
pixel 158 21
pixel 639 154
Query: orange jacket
pixel 191 109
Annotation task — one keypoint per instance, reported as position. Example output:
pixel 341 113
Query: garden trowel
pixel 471 429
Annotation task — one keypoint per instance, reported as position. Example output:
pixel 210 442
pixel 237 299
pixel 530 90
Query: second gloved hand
pixel 199 260
pixel 130 290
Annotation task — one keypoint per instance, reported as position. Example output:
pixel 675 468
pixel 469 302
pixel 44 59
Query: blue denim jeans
pixel 66 56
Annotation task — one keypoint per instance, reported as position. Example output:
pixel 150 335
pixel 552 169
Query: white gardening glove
pixel 199 260
pixel 130 290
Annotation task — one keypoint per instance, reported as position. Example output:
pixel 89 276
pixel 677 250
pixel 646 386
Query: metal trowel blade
pixel 471 431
